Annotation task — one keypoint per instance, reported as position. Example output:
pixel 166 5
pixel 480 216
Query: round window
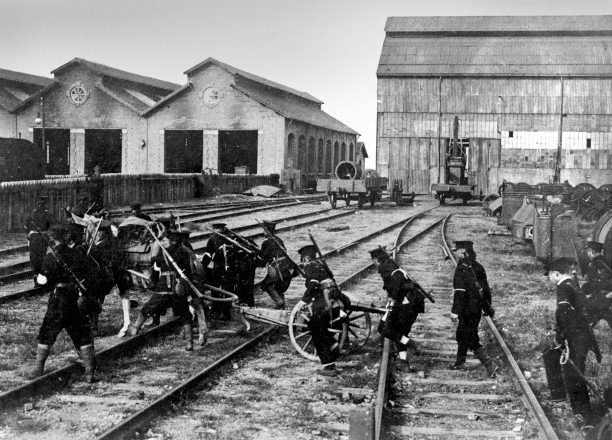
pixel 78 95
pixel 211 96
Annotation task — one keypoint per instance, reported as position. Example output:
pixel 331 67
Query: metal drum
pixel 348 171
pixel 541 235
pixel 564 233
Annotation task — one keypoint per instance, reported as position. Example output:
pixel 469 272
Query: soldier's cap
pixel 464 244
pixel 269 224
pixel 561 265
pixel 136 205
pixel 219 225
pixel 595 245
pixel 379 252
pixel 309 249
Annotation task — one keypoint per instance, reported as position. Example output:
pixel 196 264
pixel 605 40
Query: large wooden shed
pixel 531 93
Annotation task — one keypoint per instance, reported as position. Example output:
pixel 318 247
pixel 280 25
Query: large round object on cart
pixel 603 234
pixel 350 328
pixel 347 170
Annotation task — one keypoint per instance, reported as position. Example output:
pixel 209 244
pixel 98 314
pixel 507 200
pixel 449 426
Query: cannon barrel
pixel 347 170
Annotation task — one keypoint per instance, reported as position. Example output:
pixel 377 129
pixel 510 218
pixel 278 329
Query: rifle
pixel 281 248
pixel 418 287
pixel 229 240
pixel 330 274
pixel 244 240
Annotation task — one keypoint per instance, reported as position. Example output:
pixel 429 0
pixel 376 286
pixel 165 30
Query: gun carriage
pixel 351 183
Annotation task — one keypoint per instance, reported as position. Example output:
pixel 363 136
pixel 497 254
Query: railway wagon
pixel 350 183
pixel 21 160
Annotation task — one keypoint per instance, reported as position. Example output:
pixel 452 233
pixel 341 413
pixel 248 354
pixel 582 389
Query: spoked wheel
pixel 333 199
pixel 300 335
pixel 359 329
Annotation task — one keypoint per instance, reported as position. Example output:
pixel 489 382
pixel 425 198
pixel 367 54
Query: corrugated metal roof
pixel 104 70
pixel 501 24
pixel 26 78
pixel 294 109
pixel 496 56
pixel 234 71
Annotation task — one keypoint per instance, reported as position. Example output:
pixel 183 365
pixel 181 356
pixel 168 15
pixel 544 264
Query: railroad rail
pixel 427 401
pixel 115 354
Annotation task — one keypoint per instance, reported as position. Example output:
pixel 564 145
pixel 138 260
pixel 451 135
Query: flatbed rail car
pixel 349 185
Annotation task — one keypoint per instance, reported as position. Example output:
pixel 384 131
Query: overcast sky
pixel 327 48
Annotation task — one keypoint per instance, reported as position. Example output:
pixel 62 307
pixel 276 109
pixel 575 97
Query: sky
pixel 328 48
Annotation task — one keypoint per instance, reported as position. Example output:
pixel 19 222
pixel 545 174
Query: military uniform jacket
pixel 56 272
pixel 39 220
pixel 167 275
pixel 315 273
pixel 270 250
pixel 212 251
pixel 399 287
pixel 472 294
pixel 599 274
pixel 571 321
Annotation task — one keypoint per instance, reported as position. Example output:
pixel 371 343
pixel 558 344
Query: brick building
pixel 223 119
pixel 523 88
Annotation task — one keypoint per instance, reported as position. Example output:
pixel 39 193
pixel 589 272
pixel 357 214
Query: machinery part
pixel 591 204
pixel 300 335
pixel 370 173
pixel 347 170
pixel 603 234
pixel 333 199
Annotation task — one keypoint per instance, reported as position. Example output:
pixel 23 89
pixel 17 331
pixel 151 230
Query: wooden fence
pixel 19 199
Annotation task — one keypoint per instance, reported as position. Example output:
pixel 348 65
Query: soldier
pixel 320 293
pixel 598 287
pixel 472 298
pixel 216 260
pixel 62 269
pixel 39 221
pixel 574 334
pixel 405 304
pixel 136 208
pixel 170 290
pixel 82 207
pixel 280 269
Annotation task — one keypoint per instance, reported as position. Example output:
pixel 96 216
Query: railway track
pixel 122 363
pixel 17 266
pixel 441 403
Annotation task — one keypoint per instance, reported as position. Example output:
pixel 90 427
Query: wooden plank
pixel 462 396
pixel 455 382
pixel 451 433
pixel 445 412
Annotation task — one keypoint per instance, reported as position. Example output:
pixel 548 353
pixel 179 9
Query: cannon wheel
pixel 359 329
pixel 333 199
pixel 300 336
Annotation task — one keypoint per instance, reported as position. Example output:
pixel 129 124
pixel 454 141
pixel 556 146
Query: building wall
pixel 99 111
pixel 7 124
pixel 234 111
pixel 521 117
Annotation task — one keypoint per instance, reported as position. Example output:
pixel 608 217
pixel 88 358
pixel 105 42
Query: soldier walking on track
pixel 63 269
pixel 472 298
pixel 39 221
pixel 320 294
pixel 405 304
pixel 217 263
pixel 280 269
pixel 574 335
pixel 170 290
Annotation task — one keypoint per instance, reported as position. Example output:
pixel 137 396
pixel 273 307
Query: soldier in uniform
pixel 405 304
pixel 598 287
pixel 574 334
pixel 320 294
pixel 136 208
pixel 170 290
pixel 472 298
pixel 39 221
pixel 280 269
pixel 217 261
pixel 62 269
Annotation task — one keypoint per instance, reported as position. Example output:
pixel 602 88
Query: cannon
pixel 351 183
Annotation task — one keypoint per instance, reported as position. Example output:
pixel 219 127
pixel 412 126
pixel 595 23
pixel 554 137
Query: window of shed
pixel 510 134
pixel 588 145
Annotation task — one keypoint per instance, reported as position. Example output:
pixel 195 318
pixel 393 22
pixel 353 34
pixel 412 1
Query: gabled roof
pixel 25 78
pixel 104 70
pixel 295 109
pixel 16 87
pixel 361 146
pixel 34 97
pixel 497 46
pixel 165 99
pixel 258 79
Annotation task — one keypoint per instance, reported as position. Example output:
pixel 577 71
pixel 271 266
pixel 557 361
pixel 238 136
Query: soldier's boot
pixel 133 328
pixel 87 353
pixel 188 331
pixel 279 302
pixel 202 327
pixel 42 351
pixel 485 360
pixel 459 363
pixel 402 363
pixel 155 320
